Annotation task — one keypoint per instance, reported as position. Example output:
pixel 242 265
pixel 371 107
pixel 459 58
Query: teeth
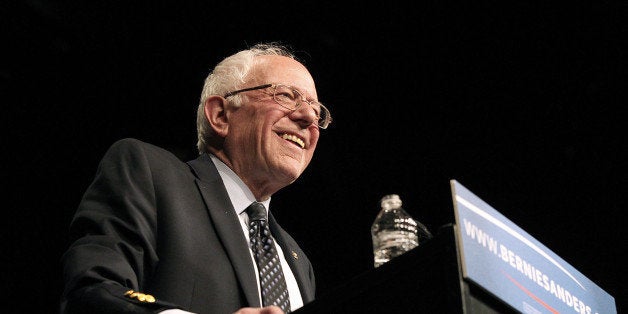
pixel 294 139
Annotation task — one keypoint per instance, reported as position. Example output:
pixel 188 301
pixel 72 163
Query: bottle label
pixel 405 239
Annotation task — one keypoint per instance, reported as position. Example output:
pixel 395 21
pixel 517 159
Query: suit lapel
pixel 227 225
pixel 297 263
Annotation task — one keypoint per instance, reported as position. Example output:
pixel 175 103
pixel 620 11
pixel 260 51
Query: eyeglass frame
pixel 298 102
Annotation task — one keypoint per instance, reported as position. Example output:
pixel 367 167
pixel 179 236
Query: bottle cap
pixel 391 201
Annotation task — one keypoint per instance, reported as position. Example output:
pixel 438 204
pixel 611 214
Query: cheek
pixel 310 151
pixel 247 127
pixel 315 134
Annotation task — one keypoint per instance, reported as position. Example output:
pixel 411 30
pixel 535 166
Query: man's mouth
pixel 293 139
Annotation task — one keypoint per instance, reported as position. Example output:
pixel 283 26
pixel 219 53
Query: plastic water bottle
pixel 394 231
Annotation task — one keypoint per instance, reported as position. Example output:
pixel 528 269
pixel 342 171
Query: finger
pixel 256 310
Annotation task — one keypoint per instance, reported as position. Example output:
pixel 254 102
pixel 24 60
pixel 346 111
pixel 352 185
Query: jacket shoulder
pixel 134 153
pixel 132 146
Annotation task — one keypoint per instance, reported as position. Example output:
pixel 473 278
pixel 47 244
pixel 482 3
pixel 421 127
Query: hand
pixel 260 310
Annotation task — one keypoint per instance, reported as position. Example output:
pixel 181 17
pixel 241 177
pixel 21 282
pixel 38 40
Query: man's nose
pixel 306 113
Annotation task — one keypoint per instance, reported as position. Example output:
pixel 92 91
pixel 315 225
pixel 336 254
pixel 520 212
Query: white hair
pixel 230 75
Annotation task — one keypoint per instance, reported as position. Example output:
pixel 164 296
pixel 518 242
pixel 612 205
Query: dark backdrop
pixel 520 102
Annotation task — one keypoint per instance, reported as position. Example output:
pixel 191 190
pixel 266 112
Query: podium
pixel 426 279
pixel 484 263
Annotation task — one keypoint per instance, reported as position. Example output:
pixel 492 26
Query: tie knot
pixel 256 211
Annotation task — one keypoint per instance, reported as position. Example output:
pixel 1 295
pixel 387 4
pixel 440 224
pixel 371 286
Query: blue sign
pixel 507 262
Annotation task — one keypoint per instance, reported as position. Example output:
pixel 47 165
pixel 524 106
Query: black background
pixel 523 103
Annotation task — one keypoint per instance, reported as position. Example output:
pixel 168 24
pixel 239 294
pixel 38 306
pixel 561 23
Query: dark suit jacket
pixel 154 224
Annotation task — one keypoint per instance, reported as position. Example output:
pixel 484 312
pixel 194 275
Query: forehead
pixel 283 70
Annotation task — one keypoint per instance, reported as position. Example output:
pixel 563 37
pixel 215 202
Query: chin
pixel 292 173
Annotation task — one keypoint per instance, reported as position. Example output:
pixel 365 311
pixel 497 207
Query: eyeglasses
pixel 290 98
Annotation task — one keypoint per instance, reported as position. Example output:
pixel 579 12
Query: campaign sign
pixel 507 262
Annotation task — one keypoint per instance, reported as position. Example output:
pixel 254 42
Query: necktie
pixel 272 281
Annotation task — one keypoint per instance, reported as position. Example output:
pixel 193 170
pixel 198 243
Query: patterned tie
pixel 272 281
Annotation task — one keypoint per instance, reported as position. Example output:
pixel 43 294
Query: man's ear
pixel 216 114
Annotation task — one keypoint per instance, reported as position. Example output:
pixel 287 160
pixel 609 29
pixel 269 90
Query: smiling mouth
pixel 293 139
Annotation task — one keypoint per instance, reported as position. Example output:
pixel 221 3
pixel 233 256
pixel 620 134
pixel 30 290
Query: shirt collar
pixel 239 194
